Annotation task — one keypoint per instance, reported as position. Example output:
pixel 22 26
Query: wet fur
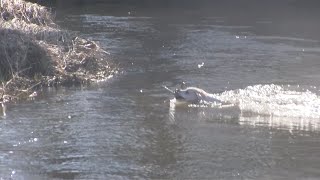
pixel 195 95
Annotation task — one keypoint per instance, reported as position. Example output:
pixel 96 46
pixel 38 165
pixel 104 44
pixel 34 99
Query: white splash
pixel 200 65
pixel 274 100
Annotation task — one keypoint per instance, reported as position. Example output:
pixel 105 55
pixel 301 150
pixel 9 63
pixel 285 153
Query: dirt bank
pixel 35 52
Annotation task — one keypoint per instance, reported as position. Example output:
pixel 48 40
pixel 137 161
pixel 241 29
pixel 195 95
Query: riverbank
pixel 36 52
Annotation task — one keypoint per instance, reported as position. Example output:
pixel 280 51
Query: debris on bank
pixel 35 52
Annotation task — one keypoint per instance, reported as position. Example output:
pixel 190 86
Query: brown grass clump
pixel 35 51
pixel 20 54
pixel 25 11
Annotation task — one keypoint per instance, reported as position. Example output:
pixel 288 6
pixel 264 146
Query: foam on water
pixel 274 100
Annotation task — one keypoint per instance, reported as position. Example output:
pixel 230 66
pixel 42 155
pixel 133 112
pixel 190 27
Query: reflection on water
pixel 300 125
pixel 128 128
pixel 234 114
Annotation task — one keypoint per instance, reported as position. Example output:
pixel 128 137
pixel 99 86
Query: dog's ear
pixel 183 85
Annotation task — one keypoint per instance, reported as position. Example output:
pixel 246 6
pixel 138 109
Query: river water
pixel 264 60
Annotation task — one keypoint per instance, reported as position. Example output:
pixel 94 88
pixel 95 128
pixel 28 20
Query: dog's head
pixel 190 94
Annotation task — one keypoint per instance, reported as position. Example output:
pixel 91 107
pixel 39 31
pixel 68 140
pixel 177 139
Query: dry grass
pixel 35 51
pixel 25 11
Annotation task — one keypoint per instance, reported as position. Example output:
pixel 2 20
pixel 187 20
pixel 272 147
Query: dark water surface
pixel 127 129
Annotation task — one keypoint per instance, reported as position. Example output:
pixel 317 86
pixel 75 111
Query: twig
pixel 168 89
pixel 28 89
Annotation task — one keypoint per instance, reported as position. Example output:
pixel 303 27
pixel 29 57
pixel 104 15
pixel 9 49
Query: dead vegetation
pixel 34 52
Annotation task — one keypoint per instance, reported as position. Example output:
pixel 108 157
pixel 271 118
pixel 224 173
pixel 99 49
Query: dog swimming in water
pixel 194 95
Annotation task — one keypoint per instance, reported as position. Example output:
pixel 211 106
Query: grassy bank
pixel 35 52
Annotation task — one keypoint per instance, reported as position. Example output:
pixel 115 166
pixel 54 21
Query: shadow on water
pixel 289 18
